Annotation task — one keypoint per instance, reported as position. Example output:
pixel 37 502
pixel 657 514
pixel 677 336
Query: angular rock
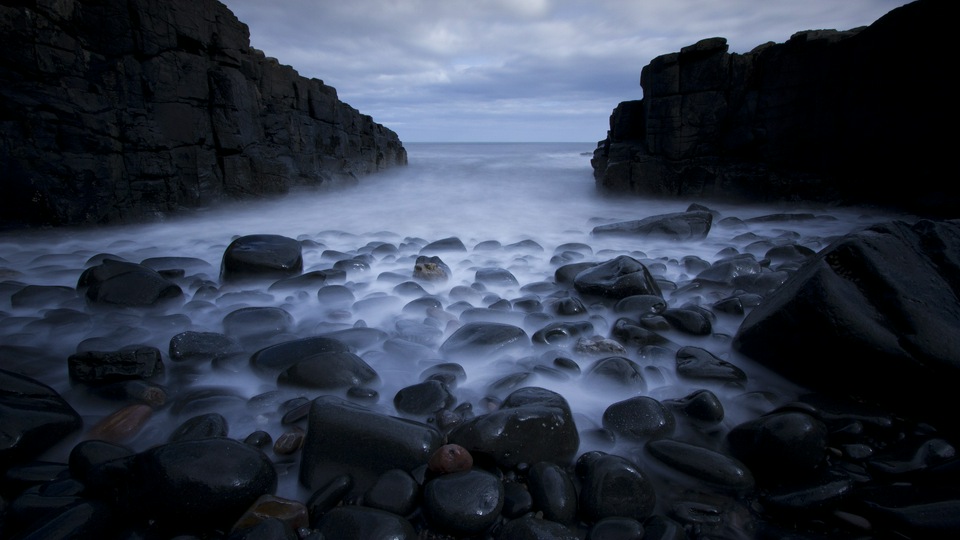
pixel 202 346
pixel 101 367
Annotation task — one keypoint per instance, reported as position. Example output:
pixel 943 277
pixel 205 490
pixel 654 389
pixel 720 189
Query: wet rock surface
pixel 516 397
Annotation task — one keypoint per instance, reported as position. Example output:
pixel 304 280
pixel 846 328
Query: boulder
pixel 875 315
pixel 617 279
pixel 125 284
pixel 261 256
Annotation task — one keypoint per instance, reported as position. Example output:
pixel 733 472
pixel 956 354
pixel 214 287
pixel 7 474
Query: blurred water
pixel 477 192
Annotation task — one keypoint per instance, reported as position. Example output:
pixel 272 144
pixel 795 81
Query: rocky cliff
pixel 122 110
pixel 856 116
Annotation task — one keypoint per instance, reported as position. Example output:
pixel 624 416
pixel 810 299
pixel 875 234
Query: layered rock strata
pixel 834 116
pixel 120 111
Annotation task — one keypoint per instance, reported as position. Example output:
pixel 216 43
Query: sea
pixel 529 208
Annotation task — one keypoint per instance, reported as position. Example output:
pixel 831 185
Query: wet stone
pixel 327 497
pixel 431 269
pixel 701 406
pixel 499 277
pixel 115 283
pixel 696 364
pixel 533 528
pixel 203 426
pixel 616 528
pixel 394 491
pixel 629 333
pixel 617 279
pixel 332 296
pixel 202 346
pixel 450 458
pixel 725 270
pixel 616 372
pixel 484 339
pixel 553 492
pixel 532 424
pixel 780 445
pixel 567 273
pixel 289 442
pixel 516 500
pixel 423 399
pixel 40 296
pixel 561 333
pixel 450 244
pixel 693 225
pixel 121 425
pixel 612 486
pixel 463 503
pixel 281 356
pixel 566 306
pixel 639 418
pixel 449 373
pixel 703 464
pixel 810 495
pixel 641 304
pixel 309 281
pixel 690 321
pixel 99 367
pixel 261 256
pixel 329 371
pixel 250 324
pixel 361 523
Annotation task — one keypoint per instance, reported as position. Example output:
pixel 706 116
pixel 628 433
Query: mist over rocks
pixel 811 119
pixel 125 111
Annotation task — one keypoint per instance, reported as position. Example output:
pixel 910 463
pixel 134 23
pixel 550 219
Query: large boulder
pixel 262 256
pixel 875 315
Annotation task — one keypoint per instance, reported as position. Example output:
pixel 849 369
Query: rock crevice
pixel 121 111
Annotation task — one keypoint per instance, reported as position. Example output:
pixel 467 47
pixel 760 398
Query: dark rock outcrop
pixel 120 111
pixel 833 116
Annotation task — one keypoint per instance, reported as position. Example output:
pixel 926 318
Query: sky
pixel 512 70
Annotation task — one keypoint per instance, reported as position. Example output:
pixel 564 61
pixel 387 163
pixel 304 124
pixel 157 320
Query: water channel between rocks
pixel 526 208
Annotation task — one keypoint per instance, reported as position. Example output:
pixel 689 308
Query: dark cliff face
pixel 853 117
pixel 116 111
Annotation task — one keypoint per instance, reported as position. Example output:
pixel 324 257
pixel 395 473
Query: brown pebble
pixel 450 458
pixel 122 424
pixel 293 513
pixel 288 443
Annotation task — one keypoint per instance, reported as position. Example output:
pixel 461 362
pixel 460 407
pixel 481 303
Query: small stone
pixel 450 458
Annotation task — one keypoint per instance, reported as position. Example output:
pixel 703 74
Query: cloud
pixel 525 70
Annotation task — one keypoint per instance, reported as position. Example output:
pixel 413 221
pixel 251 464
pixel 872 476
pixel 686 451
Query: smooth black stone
pixel 499 277
pixel 483 340
pixel 628 332
pixel 259 439
pixel 200 346
pixel 207 482
pixel 533 424
pixel 532 528
pixel 34 418
pixel 560 333
pixel 612 486
pixel 553 492
pixel 423 398
pixel 20 477
pixel 639 418
pixel 329 371
pixel 463 503
pixel 641 304
pixel 261 256
pixel 328 497
pixel 658 527
pixel 725 270
pixel 331 448
pixel 693 225
pixel 567 273
pixel 567 306
pixel 85 519
pixel 191 264
pixel 616 528
pixel 124 284
pixel 309 281
pixel 409 288
pixel 911 456
pixel 617 279
pixel 689 321
pixel 451 244
pixel 333 296
pixel 449 373
pixel 351 266
pixel 202 426
pixel 700 405
pixel 257 322
pixel 780 446
pixel 276 358
pixel 88 457
pixel 360 523
pixel 703 464
pixel 41 296
pixel 616 372
pixel 394 491
pixel 696 364
pixel 813 494
pixel 517 500
pixel 267 529
pixel 358 338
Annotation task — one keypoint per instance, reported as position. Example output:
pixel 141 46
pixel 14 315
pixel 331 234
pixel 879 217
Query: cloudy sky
pixel 512 70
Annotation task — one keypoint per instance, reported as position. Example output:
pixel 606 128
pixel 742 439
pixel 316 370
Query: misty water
pixel 527 208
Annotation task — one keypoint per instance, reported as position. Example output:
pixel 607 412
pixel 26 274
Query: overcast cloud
pixel 512 70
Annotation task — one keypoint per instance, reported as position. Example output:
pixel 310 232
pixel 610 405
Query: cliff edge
pixel 848 117
pixel 122 111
